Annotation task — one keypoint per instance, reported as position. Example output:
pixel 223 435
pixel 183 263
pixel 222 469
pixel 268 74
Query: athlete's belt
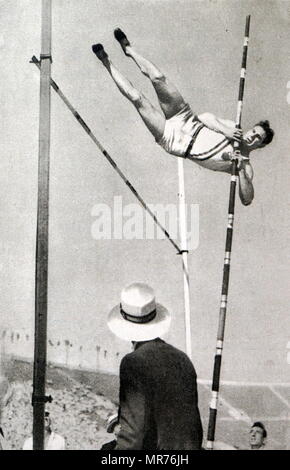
pixel 188 150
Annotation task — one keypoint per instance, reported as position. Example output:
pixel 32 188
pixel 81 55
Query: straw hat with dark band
pixel 138 317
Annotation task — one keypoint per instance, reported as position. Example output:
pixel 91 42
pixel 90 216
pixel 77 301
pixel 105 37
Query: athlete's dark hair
pixel 269 132
pixel 258 424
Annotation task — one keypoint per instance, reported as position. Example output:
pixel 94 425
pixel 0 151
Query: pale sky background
pixel 198 44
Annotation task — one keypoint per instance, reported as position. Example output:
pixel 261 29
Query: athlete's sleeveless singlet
pixel 185 136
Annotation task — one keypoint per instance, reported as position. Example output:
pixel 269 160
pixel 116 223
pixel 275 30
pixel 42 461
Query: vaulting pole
pixel 184 254
pixel 39 371
pixel 80 120
pixel 227 259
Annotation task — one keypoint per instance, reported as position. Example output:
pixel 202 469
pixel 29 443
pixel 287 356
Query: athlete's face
pixel 254 137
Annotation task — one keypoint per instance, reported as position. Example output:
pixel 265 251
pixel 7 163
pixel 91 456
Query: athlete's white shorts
pixel 178 132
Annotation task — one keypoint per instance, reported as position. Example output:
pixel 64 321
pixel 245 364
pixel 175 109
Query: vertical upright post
pixel 39 371
pixel 184 255
pixel 227 259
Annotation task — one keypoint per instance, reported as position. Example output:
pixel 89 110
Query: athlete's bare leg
pixel 153 119
pixel 170 99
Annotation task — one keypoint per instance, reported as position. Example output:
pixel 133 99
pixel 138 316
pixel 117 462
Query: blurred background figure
pixel 52 441
pixel 258 435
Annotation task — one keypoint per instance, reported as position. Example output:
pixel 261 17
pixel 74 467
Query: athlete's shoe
pixel 122 39
pixel 99 51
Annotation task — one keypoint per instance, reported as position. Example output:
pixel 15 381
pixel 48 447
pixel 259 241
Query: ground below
pixel 82 401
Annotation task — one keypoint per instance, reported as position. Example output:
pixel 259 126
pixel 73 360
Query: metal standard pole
pixel 227 259
pixel 108 157
pixel 39 371
pixel 184 253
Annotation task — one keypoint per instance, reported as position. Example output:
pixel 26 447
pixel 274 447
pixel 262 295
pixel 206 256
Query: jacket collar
pixel 139 344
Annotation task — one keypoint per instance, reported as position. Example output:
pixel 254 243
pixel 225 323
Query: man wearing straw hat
pixel 204 139
pixel 158 407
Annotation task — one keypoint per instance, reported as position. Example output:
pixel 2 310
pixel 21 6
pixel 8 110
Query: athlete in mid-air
pixel 204 139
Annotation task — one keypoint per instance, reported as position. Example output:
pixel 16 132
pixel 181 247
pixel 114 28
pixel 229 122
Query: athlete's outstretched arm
pixel 222 126
pixel 246 188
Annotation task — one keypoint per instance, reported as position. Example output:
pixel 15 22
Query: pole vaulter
pixel 228 249
pixel 203 139
pixel 39 371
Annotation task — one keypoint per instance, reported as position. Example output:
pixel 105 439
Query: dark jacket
pixel 158 400
pixel 109 445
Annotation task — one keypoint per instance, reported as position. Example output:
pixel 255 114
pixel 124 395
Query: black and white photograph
pixel 145 228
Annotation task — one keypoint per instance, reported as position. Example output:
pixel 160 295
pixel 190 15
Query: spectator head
pixel 47 422
pixel 258 435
